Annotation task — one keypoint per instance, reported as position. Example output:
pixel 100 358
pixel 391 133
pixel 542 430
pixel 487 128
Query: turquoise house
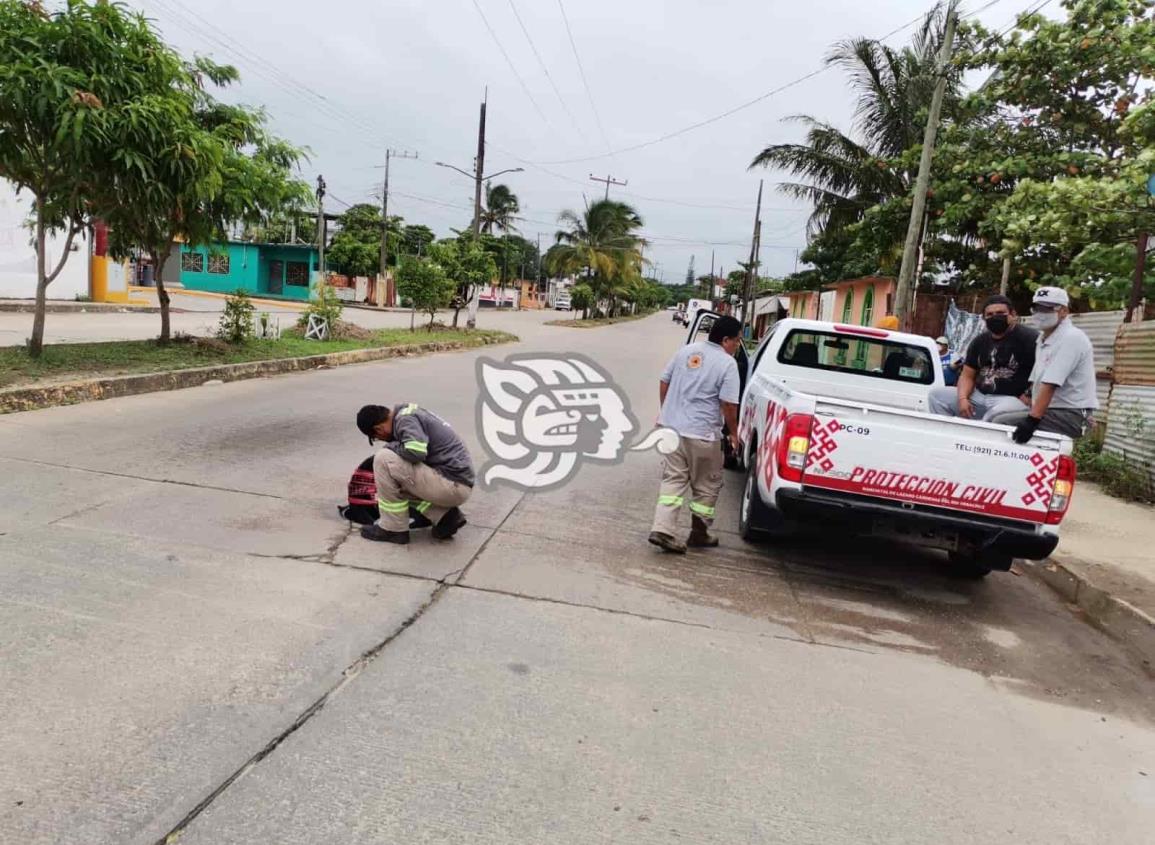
pixel 276 270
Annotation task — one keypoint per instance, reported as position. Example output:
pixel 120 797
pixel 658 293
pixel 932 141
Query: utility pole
pixel 321 227
pixel 478 180
pixel 609 180
pixel 713 283
pixel 752 268
pixel 904 295
pixel 381 282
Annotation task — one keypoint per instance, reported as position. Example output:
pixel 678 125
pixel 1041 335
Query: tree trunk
pixel 36 342
pixel 163 297
pixel 413 318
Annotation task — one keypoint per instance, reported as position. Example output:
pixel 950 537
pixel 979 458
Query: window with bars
pixel 219 263
pixel 847 316
pixel 192 262
pixel 297 273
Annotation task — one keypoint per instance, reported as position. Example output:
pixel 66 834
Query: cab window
pixel 874 357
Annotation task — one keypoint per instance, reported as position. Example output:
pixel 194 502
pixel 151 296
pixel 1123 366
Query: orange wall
pixel 858 289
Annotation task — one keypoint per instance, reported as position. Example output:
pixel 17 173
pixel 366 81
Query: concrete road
pixel 194 644
pixel 198 315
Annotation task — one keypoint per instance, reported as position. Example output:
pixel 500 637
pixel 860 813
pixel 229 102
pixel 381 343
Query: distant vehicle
pixel 563 303
pixel 833 431
pixel 692 309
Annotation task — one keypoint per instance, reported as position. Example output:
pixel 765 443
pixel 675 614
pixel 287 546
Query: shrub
pixel 1114 473
pixel 236 323
pixel 326 305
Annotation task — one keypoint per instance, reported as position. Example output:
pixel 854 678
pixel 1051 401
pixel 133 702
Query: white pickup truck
pixel 834 431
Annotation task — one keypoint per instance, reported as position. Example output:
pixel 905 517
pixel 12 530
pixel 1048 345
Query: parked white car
pixel 834 431
pixel 562 303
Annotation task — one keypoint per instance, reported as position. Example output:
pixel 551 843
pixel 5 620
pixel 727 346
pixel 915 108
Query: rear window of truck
pixel 864 356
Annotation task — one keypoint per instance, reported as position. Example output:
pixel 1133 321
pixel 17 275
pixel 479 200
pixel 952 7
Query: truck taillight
pixel 1061 492
pixel 793 446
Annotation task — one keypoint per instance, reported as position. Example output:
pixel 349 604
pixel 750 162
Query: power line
pixel 706 122
pixel 585 82
pixel 509 62
pixel 263 68
pixel 1030 11
pixel 545 70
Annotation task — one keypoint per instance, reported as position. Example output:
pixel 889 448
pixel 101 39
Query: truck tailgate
pixel 933 461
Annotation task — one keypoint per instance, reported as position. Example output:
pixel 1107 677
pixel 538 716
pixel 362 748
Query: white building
pixel 18 253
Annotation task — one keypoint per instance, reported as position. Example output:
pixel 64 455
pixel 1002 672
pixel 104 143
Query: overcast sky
pixel 351 78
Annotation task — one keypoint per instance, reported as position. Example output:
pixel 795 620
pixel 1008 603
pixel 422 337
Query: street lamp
pixel 477 179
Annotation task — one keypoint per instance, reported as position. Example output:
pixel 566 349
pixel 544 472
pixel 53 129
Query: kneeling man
pixel 424 465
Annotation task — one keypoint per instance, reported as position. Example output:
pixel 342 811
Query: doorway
pixel 276 277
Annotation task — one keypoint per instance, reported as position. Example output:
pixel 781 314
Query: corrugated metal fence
pixel 1131 414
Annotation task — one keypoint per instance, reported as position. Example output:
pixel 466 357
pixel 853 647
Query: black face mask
pixel 998 323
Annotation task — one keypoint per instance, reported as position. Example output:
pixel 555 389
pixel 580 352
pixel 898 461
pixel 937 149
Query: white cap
pixel 1051 296
pixel 942 341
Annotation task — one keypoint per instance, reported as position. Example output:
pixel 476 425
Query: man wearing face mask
pixel 1062 396
pixel 996 369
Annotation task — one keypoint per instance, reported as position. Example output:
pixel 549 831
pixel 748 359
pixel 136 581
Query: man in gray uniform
pixel 699 387
pixel 1062 396
pixel 424 466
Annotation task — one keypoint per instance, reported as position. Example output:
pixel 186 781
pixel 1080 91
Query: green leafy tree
pixel 843 175
pixel 1051 170
pixel 582 299
pixel 425 284
pixel 415 240
pixel 70 82
pixel 500 210
pixel 355 249
pixel 602 247
pixel 203 165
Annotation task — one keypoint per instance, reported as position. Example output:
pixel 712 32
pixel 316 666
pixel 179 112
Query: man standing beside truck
pixel 996 369
pixel 1062 396
pixel 698 389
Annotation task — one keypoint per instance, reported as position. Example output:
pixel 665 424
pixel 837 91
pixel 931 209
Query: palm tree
pixel 842 175
pixel 501 208
pixel 603 245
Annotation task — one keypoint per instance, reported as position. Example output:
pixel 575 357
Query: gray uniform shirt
pixel 700 376
pixel 1066 360
pixel 420 436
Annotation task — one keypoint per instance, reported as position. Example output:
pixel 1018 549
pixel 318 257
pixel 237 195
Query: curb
pixel 81 308
pixel 17 399
pixel 1117 618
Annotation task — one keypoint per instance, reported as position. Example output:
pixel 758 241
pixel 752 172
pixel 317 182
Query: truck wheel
pixel 752 514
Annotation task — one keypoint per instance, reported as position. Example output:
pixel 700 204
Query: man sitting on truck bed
pixel 1062 396
pixel 996 370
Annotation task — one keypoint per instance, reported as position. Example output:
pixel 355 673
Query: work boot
pixel 381 535
pixel 447 526
pixel 417 519
pixel 667 543
pixel 700 536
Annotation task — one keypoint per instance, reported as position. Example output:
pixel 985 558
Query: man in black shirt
pixel 997 368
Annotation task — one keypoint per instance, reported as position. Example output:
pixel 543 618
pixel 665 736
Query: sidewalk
pixel 71 306
pixel 1105 564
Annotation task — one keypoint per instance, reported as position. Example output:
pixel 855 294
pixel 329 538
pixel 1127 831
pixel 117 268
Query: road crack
pixel 442 586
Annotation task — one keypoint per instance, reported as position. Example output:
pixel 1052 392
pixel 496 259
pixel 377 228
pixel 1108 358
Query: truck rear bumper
pixel 863 514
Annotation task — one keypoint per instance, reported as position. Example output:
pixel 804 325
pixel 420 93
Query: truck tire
pixel 753 515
